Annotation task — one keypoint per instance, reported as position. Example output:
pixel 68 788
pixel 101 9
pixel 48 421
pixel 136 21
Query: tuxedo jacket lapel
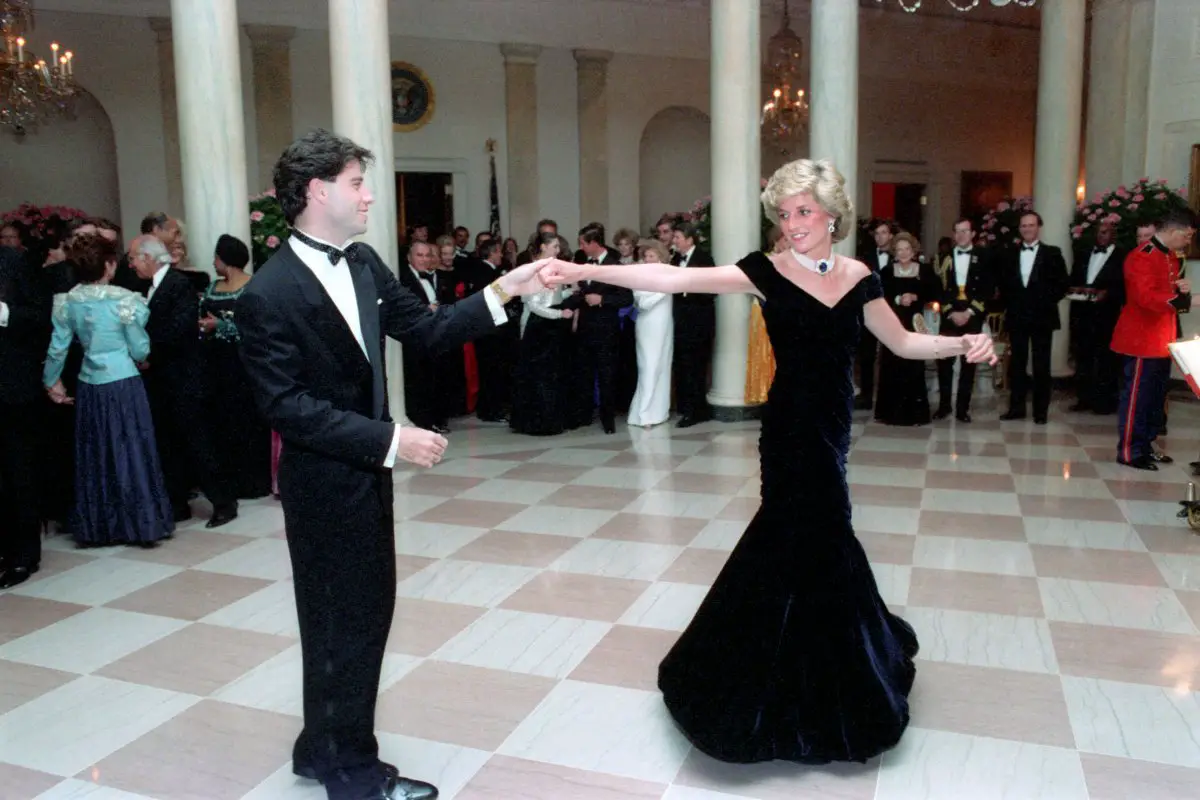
pixel 322 313
pixel 368 317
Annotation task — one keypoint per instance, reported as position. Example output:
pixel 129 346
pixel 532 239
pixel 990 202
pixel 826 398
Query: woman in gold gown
pixel 760 359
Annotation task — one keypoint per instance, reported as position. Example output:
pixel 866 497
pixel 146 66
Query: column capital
pixel 161 26
pixel 592 58
pixel 280 34
pixel 520 53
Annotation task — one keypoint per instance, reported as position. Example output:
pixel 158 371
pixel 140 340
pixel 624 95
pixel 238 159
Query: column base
pixel 736 413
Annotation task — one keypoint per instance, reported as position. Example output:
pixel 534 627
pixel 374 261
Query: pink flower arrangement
pixel 40 220
pixel 1125 207
pixel 268 228
pixel 998 226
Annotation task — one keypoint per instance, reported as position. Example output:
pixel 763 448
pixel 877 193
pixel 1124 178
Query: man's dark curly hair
pixel 317 154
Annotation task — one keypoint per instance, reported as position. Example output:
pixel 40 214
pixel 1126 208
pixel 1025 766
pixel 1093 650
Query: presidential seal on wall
pixel 412 97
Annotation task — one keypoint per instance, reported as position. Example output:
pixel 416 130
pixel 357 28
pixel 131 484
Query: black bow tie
pixel 958 251
pixel 883 252
pixel 593 261
pixel 426 276
pixel 1029 247
pixel 1099 249
pixel 335 254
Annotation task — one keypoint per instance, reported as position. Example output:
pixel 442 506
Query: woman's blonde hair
pixel 819 179
pixel 905 236
pixel 625 234
pixel 658 247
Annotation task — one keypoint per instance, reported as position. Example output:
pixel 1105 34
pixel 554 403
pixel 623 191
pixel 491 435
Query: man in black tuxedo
pixel 882 231
pixel 496 352
pixel 695 330
pixel 1033 280
pixel 599 306
pixel 174 383
pixel 1099 274
pixel 312 323
pixel 423 396
pixel 24 337
pixel 969 281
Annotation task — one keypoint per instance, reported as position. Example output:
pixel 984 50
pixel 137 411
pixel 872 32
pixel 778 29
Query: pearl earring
pixel 832 227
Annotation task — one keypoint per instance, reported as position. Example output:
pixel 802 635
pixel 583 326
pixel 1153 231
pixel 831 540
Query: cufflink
pixel 379 302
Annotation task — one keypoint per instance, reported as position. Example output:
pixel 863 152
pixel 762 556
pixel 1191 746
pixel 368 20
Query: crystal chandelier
pixel 785 114
pixel 32 91
pixel 911 6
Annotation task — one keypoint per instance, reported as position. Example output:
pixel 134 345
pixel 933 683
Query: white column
pixel 170 114
pixel 208 81
pixel 360 67
pixel 833 122
pixel 736 164
pixel 592 80
pixel 1107 68
pixel 520 108
pixel 1056 151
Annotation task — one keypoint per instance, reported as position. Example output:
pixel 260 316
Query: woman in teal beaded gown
pixel 793 654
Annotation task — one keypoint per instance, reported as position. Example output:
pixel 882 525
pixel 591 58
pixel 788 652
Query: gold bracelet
pixel 501 295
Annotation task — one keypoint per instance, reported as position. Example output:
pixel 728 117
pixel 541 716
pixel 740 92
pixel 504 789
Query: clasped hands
pixel 980 348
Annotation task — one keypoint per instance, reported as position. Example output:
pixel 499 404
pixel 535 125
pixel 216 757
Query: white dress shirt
pixel 686 257
pixel 884 257
pixel 339 284
pixel 962 266
pixel 3 315
pixel 430 287
pixel 156 281
pixel 1096 263
pixel 1027 259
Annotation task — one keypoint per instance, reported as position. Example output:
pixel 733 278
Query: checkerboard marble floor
pixel 1056 595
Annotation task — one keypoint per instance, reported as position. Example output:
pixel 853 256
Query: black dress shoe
pixel 222 516
pixel 401 788
pixel 941 413
pixel 1012 415
pixel 1040 420
pixel 963 416
pixel 371 785
pixel 1161 457
pixel 15 576
pixel 1143 462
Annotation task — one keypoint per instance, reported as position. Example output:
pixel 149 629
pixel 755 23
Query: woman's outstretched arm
pixel 884 324
pixel 652 277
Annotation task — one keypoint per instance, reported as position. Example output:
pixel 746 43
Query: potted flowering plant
pixel 268 228
pixel 1000 227
pixel 701 215
pixel 1127 207
pixel 38 221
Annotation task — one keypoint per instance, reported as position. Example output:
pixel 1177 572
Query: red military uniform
pixel 1147 321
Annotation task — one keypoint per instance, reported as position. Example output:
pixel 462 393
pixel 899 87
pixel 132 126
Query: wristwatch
pixel 501 295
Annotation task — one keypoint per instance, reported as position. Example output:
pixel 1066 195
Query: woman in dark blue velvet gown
pixel 793 654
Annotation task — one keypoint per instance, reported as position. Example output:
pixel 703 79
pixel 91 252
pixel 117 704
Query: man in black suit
pixel 24 337
pixel 969 281
pixel 882 231
pixel 695 330
pixel 1099 274
pixel 174 382
pixel 599 306
pixel 423 400
pixel 312 323
pixel 496 352
pixel 1033 280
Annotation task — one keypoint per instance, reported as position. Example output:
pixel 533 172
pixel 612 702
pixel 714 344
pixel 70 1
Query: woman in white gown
pixel 655 346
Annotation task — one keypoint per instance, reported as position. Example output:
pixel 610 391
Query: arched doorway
pixel 67 162
pixel 676 168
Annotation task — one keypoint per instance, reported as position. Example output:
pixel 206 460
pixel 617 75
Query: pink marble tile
pixel 740 509
pixel 1053 467
pixel 1041 438
pixel 471 513
pixel 20 615
pixel 974 449
pixel 969 481
pixel 20 783
pixel 1111 778
pixel 20 683
pixel 1191 602
pixel 1105 566
pixel 599 498
pixel 964 525
pixel 652 528
pixel 875 495
pixel 975 591
pixel 646 460
pixel 873 458
pixel 546 473
pixel 505 778
pixel 569 594
pixel 407 566
pixel 780 780
pixel 1169 539
pixel 699 483
pixel 437 485
pixel 888 548
pixel 189 548
pixel 522 455
pixel 627 656
pixel 420 627
pixel 697 566
pixel 1145 490
pixel 1075 508
pixel 1131 656
pixel 460 704
pixel 190 595
pixel 519 549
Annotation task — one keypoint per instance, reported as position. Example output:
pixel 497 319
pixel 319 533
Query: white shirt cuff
pixel 3 315
pixel 390 461
pixel 494 305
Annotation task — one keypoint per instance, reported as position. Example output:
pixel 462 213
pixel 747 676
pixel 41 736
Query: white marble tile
pixel 959 500
pixel 617 559
pixel 433 539
pixel 558 521
pixel 974 555
pixel 253 521
pixel 885 519
pixel 894 581
pixel 284 785
pixel 677 792
pixel 1047 452
pixel 90 640
pixel 1112 471
pixel 1046 486
pixel 516 641
pixel 621 478
pixel 1135 721
pixel 1151 512
pixel 957 462
pixel 720 465
pixel 938 765
pixel 1181 572
pixel 271 609
pixel 472 467
pixel 885 476
pixel 669 606
pixel 267 559
pixel 603 728
pixel 98 582
pixel 501 490
pixel 890 444
pixel 679 504
pixel 574 457
pixel 82 790
pixel 447 766
pixel 407 506
pixel 720 534
pixel 466 582
pixel 984 640
pixel 76 725
pixel 751 488
pixel 1083 534
pixel 1117 605
pixel 660 442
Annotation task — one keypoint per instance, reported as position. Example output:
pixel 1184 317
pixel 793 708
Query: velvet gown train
pixel 793 654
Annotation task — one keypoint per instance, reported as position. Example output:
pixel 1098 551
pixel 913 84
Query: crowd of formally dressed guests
pixel 1124 310
pixel 122 396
